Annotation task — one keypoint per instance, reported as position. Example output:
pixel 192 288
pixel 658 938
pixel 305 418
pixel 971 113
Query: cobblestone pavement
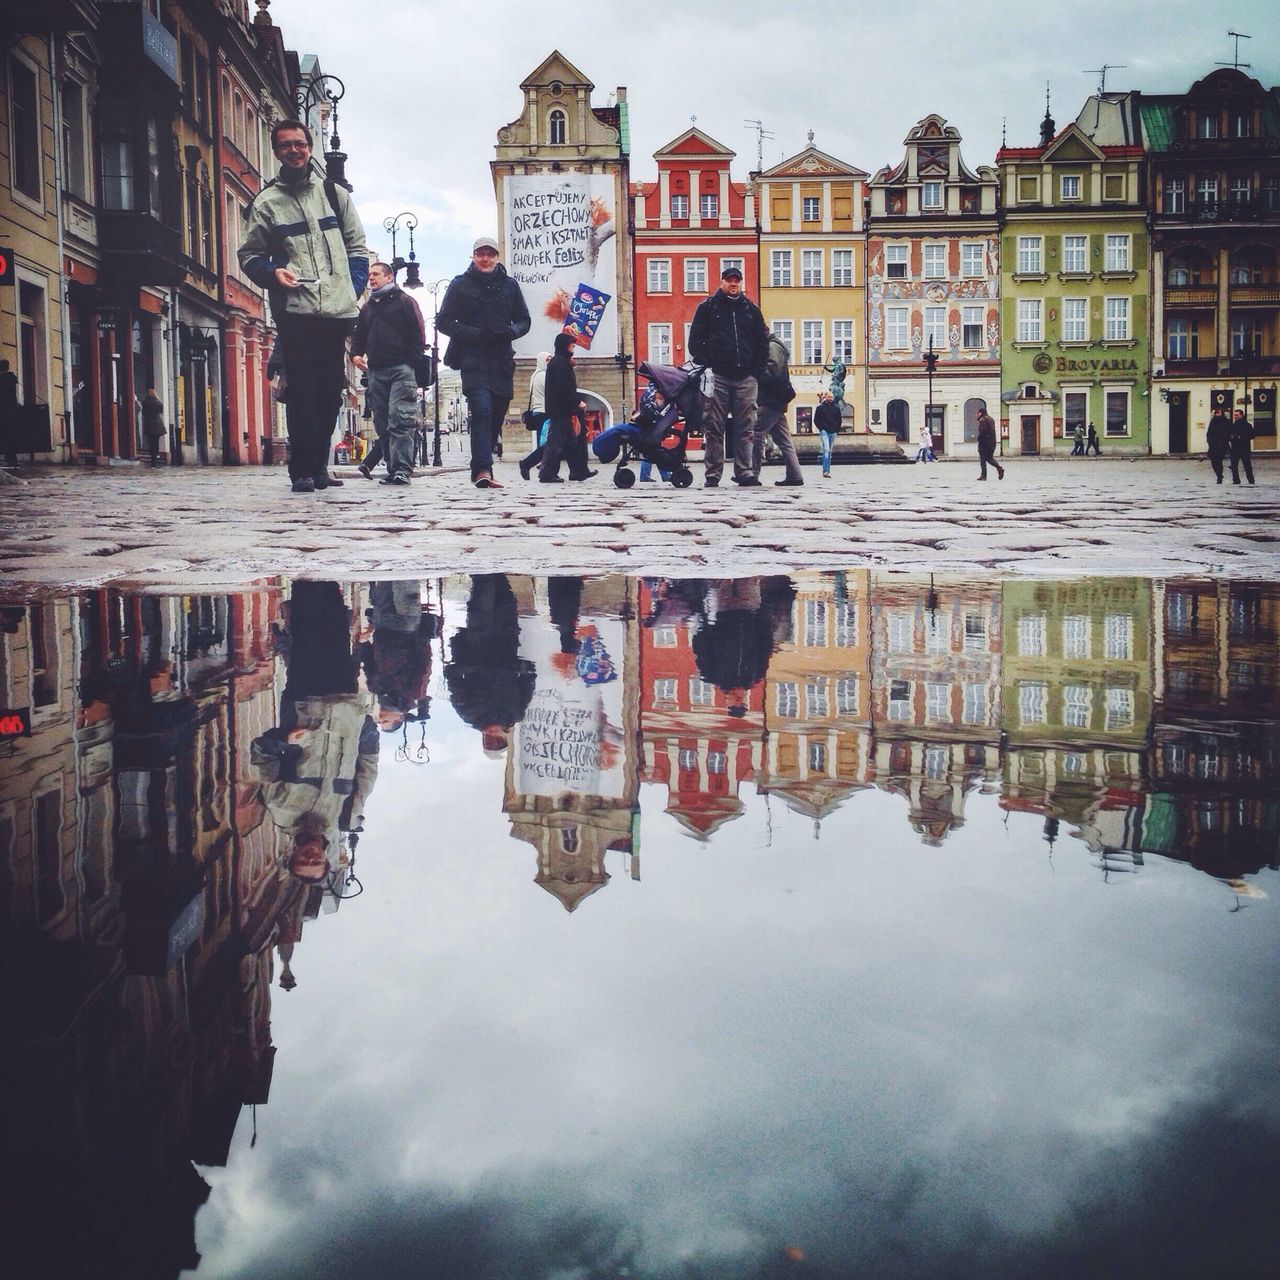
pixel 190 526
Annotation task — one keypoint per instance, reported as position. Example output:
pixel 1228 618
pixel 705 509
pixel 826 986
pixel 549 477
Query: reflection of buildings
pixel 571 788
pixel 138 905
pixel 1216 747
pixel 935 653
pixel 817 702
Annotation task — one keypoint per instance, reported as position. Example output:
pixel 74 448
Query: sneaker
pixel 1000 472
pixel 711 484
pixel 749 482
pixel 484 480
pixel 787 484
pixel 551 479
pixel 304 484
pixel 365 470
pixel 400 478
pixel 587 476
pixel 327 481
pixel 525 468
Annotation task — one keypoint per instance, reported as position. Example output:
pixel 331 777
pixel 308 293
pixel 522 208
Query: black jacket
pixel 1217 435
pixel 390 330
pixel 1240 433
pixel 561 389
pixel 986 433
pixel 730 335
pixel 827 416
pixel 483 313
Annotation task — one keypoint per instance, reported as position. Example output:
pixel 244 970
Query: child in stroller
pixel 669 406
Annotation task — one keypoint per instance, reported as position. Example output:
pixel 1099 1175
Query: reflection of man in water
pixel 741 620
pixel 318 767
pixel 489 683
pixel 397 659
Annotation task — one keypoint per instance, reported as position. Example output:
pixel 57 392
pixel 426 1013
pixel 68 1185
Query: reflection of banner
pixel 560 240
pixel 585 313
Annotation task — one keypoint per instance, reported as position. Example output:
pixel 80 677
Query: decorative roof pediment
pixel 556 67
pixel 693 142
pixel 933 127
pixel 1072 144
pixel 812 163
pixel 1226 82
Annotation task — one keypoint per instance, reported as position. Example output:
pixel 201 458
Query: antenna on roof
pixel 1237 36
pixel 761 134
pixel 1101 73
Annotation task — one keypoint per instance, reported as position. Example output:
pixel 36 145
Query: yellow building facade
pixel 813 275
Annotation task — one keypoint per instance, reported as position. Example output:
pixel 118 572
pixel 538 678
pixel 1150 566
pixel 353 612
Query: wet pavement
pixel 818 925
pixel 126 525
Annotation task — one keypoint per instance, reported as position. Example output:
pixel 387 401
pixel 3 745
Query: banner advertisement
pixel 561 248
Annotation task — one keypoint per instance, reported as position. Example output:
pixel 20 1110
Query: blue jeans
pixel 827 439
pixel 646 470
pixel 486 412
pixel 393 401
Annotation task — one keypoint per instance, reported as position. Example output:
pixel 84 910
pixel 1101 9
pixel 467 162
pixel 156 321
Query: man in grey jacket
pixel 304 244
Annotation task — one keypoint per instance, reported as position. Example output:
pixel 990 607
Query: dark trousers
pixel 1241 456
pixel 312 348
pixel 153 446
pixel 986 456
pixel 558 446
pixel 1095 446
pixel 1215 461
pixel 486 410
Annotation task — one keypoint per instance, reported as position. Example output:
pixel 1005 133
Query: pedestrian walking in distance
pixel 827 419
pixel 925 452
pixel 1217 438
pixel 987 445
pixel 729 336
pixel 1077 448
pixel 153 424
pixel 562 407
pixel 388 342
pixel 311 227
pixel 1092 442
pixel 776 392
pixel 483 313
pixel 1240 441
pixel 8 414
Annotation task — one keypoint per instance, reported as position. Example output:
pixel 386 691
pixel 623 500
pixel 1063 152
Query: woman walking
pixel 536 413
pixel 561 406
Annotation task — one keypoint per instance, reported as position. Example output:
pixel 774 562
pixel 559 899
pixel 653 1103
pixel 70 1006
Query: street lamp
pixel 433 289
pixel 930 364
pixel 308 96
pixel 412 280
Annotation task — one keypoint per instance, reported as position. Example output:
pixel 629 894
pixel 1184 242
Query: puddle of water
pixel 839 924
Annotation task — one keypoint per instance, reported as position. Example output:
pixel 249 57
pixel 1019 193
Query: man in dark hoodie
pixel 729 335
pixel 483 313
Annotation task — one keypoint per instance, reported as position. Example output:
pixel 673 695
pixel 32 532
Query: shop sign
pixel 15 723
pixel 1117 365
pixel 6 265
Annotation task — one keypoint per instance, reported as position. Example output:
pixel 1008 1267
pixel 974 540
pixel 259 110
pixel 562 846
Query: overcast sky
pixel 429 85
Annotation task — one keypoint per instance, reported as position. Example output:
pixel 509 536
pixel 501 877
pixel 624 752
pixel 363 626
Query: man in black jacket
pixel 1217 438
pixel 388 341
pixel 728 334
pixel 562 406
pixel 1240 440
pixel 483 313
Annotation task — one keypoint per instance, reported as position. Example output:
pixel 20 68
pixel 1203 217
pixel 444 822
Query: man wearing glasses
pixel 305 245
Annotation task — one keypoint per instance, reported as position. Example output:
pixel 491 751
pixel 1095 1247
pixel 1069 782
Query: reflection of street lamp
pixel 930 364
pixel 433 289
pixel 307 97
pixel 411 280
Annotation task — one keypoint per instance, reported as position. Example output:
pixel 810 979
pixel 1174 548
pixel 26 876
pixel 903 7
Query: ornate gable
pixel 556 69
pixel 812 163
pixel 694 143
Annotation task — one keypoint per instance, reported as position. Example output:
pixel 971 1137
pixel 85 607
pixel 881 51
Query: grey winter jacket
pixel 291 224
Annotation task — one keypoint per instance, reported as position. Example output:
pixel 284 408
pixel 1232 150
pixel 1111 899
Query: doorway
pixel 1177 422
pixel 898 419
pixel 1030 423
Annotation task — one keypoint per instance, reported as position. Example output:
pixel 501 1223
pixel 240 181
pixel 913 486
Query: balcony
pixel 1254 295
pixel 1198 296
pixel 1248 209
pixel 141 246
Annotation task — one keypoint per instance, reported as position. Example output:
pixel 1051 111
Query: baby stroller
pixel 659 433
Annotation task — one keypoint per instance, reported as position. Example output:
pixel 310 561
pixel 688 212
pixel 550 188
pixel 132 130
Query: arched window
pixel 1248 266
pixel 557 130
pixel 972 408
pixel 899 419
pixel 1183 271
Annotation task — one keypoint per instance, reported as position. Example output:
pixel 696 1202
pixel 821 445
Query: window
pixel 740 263
pixel 659 273
pixel 1075 319
pixel 937 702
pixel 1031 636
pixel 816 705
pixel 937 635
pixel 817 757
pixel 974 710
pixel 1180 340
pixel 1118 636
pixel 846 626
pixel 24 122
pixel 1029 320
pixel 900 632
pixel 1028 190
pixel 1246 336
pixel 664 690
pixel 842 339
pixel 660 343
pixel 935 327
pixel 1033 702
pixel 1116 320
pixel 717 762
pixel 1113 186
pixel 971 261
pixel 1030 255
pixel 780 268
pixel 701 694
pixel 847 695
pixel 1076 641
pixel 815 624
pixel 975 633
pixel 1117 403
pixel 936 760
pixel 1075 409
pixel 709 206
pixel 1119 709
pixel 1207 191
pixel 118 188
pixel 784 331
pixel 788 698
pixel 695 275
pixel 974 407
pixel 679 206
pixel 1077 706
pixel 664 638
pixel 900 700
pixel 1070 186
pixel 1207 126
pixel 1117 258
pixel 811 267
pixel 1271 193
pixel 1242 124
pixel 1075 254
pixel 556 132
pixel 74 137
pixel 1175 195
pixel 935 261
pixel 811 341
pixel 842 266
pixel 971 326
pixel 811 208
pixel 1182 272
pixel 895 261
pixel 931 195
pixel 896 335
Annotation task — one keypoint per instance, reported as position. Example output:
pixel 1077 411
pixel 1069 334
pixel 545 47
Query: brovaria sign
pixel 1118 365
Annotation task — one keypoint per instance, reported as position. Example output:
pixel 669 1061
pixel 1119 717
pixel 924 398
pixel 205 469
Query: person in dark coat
pixel 483 313
pixel 729 335
pixel 1240 442
pixel 489 683
pixel 153 424
pixel 562 407
pixel 8 414
pixel 1217 438
pixel 1092 442
pixel 827 421
pixel 987 445
pixel 736 638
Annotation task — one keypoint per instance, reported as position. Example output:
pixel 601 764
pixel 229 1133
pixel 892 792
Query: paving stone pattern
pixel 193 526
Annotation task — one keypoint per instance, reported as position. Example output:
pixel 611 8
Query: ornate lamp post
pixel 308 96
pixel 930 365
pixel 434 290
pixel 412 279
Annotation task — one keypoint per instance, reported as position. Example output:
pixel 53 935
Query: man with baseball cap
pixel 483 313
pixel 729 335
